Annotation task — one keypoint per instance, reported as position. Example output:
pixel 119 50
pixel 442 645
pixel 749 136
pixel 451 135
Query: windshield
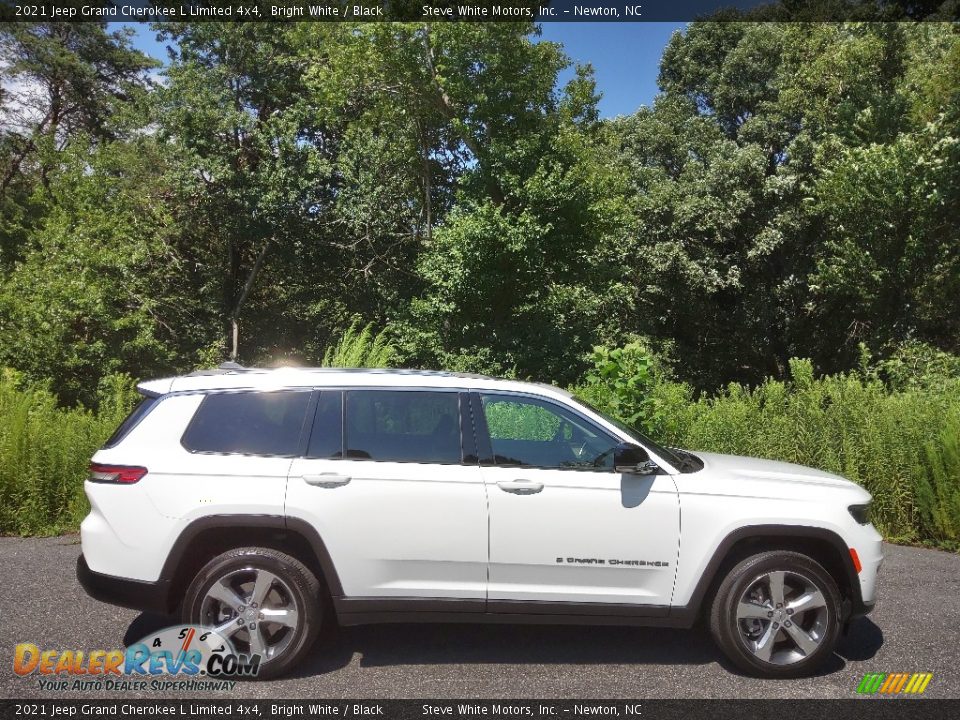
pixel 666 453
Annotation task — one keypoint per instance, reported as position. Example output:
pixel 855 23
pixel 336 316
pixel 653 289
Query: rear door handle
pixel 520 487
pixel 327 480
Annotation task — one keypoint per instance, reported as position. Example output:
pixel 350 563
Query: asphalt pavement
pixel 913 629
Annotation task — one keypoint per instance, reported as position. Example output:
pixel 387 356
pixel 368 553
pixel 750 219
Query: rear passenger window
pixel 248 423
pixel 404 426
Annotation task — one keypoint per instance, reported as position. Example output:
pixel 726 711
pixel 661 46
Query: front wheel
pixel 264 601
pixel 777 614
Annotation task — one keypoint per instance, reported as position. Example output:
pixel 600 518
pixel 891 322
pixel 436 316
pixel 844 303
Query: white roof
pixel 294 377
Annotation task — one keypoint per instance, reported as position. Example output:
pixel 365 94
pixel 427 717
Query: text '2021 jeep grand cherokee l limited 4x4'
pixel 265 503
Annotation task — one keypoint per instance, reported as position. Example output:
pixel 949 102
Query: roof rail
pixel 230 368
pixel 399 371
pixel 223 368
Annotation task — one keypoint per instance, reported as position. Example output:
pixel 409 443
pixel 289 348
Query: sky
pixel 625 57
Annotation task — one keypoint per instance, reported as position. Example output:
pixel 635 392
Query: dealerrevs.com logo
pixel 183 657
pixel 894 683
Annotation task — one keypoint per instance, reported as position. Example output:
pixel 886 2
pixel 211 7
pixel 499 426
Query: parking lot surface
pixel 914 629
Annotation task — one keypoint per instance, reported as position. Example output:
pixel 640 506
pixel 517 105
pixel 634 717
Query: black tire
pixel 298 585
pixel 741 639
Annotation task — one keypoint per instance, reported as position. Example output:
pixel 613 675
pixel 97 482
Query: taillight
pixel 118 474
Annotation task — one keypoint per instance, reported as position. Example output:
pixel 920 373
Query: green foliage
pixel 67 86
pixel 919 365
pixel 45 451
pixel 791 192
pixel 361 348
pixel 525 266
pixel 621 380
pixel 939 511
pixel 794 192
pixel 97 294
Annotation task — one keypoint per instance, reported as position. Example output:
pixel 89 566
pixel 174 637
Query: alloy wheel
pixel 782 617
pixel 255 609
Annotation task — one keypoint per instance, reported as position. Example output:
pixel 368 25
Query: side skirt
pixel 368 611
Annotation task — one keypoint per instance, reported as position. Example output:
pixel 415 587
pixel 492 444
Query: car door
pixel 564 527
pixel 397 499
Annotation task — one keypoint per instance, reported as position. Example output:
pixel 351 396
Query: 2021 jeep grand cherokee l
pixel 265 503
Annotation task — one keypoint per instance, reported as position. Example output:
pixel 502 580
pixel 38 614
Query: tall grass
pixel 45 451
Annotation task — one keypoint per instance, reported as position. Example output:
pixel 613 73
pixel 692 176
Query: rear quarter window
pixel 248 423
pixel 131 421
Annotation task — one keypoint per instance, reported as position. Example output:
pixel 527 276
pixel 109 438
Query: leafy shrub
pixel 45 451
pixel 622 380
pixel 919 365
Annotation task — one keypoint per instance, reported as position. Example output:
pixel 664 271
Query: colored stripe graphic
pixel 871 683
pixel 889 682
pixel 894 683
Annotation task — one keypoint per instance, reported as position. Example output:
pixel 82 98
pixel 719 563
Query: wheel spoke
pixel 224 593
pixel 764 646
pixel 801 637
pixel 258 644
pixel 775 582
pixel 282 616
pixel 747 610
pixel 807 601
pixel 228 629
pixel 262 586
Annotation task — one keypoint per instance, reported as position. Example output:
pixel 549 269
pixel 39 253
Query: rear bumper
pixel 152 597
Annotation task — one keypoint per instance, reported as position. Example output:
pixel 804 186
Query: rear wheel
pixel 263 600
pixel 777 614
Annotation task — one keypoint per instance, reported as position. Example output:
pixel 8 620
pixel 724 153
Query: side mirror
pixel 633 460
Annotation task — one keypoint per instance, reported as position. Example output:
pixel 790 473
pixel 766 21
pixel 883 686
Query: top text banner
pixel 478 11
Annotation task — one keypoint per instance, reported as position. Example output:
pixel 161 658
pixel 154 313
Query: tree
pixel 761 179
pixel 518 275
pixel 64 81
pixel 101 289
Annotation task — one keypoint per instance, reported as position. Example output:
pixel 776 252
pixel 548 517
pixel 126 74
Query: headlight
pixel 861 513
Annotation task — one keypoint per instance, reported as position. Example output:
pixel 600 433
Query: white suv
pixel 266 503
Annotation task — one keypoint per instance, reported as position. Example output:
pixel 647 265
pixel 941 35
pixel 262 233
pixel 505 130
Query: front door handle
pixel 327 480
pixel 520 487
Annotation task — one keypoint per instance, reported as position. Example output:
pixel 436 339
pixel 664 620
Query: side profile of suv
pixel 266 503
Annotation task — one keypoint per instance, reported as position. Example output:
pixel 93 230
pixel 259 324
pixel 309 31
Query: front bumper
pixel 152 597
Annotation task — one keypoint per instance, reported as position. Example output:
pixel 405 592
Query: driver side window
pixel 535 433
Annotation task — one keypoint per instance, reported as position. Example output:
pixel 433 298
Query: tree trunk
pixel 235 334
pixel 238 305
